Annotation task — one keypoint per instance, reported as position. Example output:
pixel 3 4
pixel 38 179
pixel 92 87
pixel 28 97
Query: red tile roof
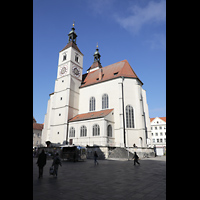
pixel 109 72
pixel 163 118
pixel 151 119
pixel 71 44
pixel 91 115
pixel 37 126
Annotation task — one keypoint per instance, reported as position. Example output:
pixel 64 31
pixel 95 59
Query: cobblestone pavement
pixel 111 179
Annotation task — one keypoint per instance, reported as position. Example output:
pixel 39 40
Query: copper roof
pixel 91 115
pixel 109 72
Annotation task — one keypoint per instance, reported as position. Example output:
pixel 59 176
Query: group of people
pixel 41 162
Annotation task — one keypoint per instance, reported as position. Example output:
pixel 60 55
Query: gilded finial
pixel 97 45
pixel 73 23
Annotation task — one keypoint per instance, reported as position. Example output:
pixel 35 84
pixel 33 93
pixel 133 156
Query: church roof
pixel 72 44
pixel 109 72
pixel 91 115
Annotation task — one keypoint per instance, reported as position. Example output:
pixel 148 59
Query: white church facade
pixel 106 106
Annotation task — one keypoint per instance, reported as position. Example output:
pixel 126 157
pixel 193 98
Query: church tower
pixel 96 64
pixel 64 101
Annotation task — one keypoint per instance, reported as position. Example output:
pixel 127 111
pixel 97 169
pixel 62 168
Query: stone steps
pixel 119 152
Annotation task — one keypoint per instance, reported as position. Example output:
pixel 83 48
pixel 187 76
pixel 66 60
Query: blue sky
pixel 131 29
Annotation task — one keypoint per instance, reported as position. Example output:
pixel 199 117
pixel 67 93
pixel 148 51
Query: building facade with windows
pixel 37 133
pixel 106 106
pixel 158 134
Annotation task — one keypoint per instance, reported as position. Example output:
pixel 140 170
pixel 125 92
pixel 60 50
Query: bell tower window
pixel 76 58
pixel 64 57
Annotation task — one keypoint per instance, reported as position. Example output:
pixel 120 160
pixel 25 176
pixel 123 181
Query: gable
pixel 158 120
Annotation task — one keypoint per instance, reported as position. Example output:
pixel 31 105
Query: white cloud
pixel 153 13
pixel 100 6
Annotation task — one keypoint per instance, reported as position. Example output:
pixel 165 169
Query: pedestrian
pixel 56 163
pixel 136 158
pixel 95 158
pixel 41 162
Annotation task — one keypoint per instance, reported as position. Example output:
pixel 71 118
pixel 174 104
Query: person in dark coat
pixel 136 158
pixel 41 162
pixel 56 163
pixel 95 158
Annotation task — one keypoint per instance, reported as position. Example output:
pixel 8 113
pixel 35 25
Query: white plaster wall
pixel 132 96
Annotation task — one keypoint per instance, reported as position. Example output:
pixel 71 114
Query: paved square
pixel 111 179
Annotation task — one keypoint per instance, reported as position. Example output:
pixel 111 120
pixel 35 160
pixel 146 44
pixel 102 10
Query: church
pixel 106 106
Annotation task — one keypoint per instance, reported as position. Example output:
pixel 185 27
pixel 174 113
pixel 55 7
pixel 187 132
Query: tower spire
pixel 72 35
pixel 97 54
pixel 96 64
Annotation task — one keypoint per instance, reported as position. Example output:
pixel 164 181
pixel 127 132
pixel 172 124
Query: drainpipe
pixel 67 132
pixel 123 112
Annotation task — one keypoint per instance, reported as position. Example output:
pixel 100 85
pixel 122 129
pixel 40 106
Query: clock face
pixel 76 71
pixel 63 70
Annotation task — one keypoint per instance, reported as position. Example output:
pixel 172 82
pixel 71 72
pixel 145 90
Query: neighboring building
pixel 37 133
pixel 93 108
pixel 158 134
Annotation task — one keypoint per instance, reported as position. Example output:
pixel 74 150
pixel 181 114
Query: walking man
pixel 41 162
pixel 136 158
pixel 56 163
pixel 95 158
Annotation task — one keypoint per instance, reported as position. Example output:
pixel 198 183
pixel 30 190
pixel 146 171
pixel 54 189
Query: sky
pixel 134 30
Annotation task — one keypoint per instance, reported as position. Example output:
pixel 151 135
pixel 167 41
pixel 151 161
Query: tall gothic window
pixel 72 132
pixel 129 117
pixel 96 130
pixel 83 131
pixel 104 101
pixel 92 104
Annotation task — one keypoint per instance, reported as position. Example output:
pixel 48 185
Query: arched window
pixel 109 130
pixel 72 132
pixel 96 130
pixel 104 101
pixel 83 131
pixel 92 104
pixel 129 117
